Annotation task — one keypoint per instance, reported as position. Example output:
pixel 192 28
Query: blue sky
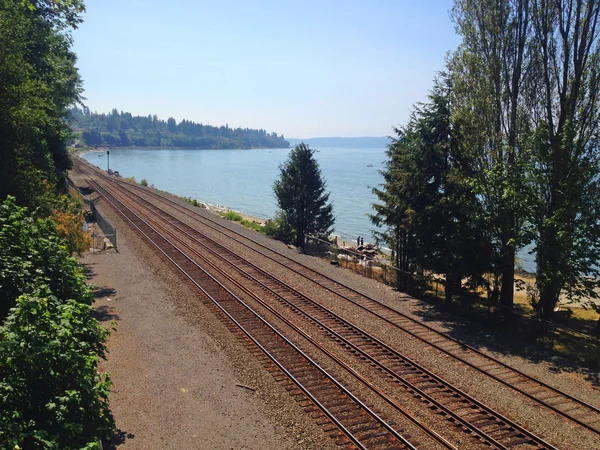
pixel 301 68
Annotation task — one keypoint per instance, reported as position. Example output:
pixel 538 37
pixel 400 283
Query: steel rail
pixel 308 337
pixel 313 363
pixel 593 410
pixel 153 209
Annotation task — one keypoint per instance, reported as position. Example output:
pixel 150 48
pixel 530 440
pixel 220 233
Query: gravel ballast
pixel 181 379
pixel 548 425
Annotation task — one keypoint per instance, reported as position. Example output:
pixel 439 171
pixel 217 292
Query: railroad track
pixel 360 425
pixel 469 414
pixel 560 402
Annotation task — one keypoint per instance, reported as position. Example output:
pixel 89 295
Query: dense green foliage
pixel 123 129
pixel 431 216
pixel 51 395
pixel 505 154
pixel 32 255
pixel 301 196
pixel 38 80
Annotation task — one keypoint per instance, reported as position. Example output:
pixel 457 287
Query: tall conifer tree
pixel 431 214
pixel 301 195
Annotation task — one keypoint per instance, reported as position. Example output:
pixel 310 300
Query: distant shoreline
pixel 81 151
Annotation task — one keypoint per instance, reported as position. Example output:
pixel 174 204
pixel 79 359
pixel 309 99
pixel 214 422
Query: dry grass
pixel 572 334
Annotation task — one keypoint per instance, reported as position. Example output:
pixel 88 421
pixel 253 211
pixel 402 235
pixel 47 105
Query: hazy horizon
pixel 308 69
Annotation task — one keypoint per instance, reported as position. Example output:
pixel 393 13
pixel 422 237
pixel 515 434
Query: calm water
pixel 243 180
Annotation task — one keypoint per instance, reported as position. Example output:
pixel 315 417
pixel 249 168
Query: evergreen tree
pixel 431 212
pixel 172 125
pixel 301 196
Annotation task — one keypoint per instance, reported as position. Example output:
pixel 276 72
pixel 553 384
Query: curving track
pixel 172 236
pixel 568 406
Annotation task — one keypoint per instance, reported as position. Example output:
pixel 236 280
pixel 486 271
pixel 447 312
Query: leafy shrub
pixel 32 254
pixel 51 394
pixel 233 216
pixel 279 228
pixel 144 182
pixel 253 225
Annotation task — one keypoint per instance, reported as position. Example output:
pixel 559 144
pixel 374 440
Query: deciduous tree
pixel 38 81
pixel 565 174
pixel 489 72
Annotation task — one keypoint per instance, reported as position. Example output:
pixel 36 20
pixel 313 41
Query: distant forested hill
pixel 121 129
pixel 353 142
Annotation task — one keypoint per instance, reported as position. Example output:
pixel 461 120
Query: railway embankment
pixel 181 380
pixel 308 300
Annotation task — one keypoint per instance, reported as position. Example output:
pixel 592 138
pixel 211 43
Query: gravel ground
pixel 178 373
pixel 499 397
pixel 563 374
pixel 558 431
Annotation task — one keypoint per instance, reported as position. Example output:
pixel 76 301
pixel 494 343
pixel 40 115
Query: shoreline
pixel 82 150
pixel 214 207
pixel 156 343
pixel 343 243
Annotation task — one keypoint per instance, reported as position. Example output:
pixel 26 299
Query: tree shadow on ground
pixel 483 328
pixel 88 270
pixel 117 439
pixel 100 292
pixel 104 313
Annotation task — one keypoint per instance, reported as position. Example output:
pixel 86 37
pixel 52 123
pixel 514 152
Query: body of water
pixel 243 180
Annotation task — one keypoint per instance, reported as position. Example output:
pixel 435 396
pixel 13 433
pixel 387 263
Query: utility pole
pixel 108 161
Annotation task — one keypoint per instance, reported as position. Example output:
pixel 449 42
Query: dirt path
pixel 178 373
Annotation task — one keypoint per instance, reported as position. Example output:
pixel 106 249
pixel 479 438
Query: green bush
pixel 233 216
pixel 51 395
pixel 144 182
pixel 31 255
pixel 252 225
pixel 279 228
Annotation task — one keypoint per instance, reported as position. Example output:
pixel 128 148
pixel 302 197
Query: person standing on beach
pixel 358 241
pixel 362 241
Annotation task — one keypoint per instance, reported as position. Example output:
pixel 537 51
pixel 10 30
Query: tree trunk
pixel 547 273
pixel 507 291
pixel 300 238
pixel 548 300
pixel 406 273
pixel 398 258
pixel 450 283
